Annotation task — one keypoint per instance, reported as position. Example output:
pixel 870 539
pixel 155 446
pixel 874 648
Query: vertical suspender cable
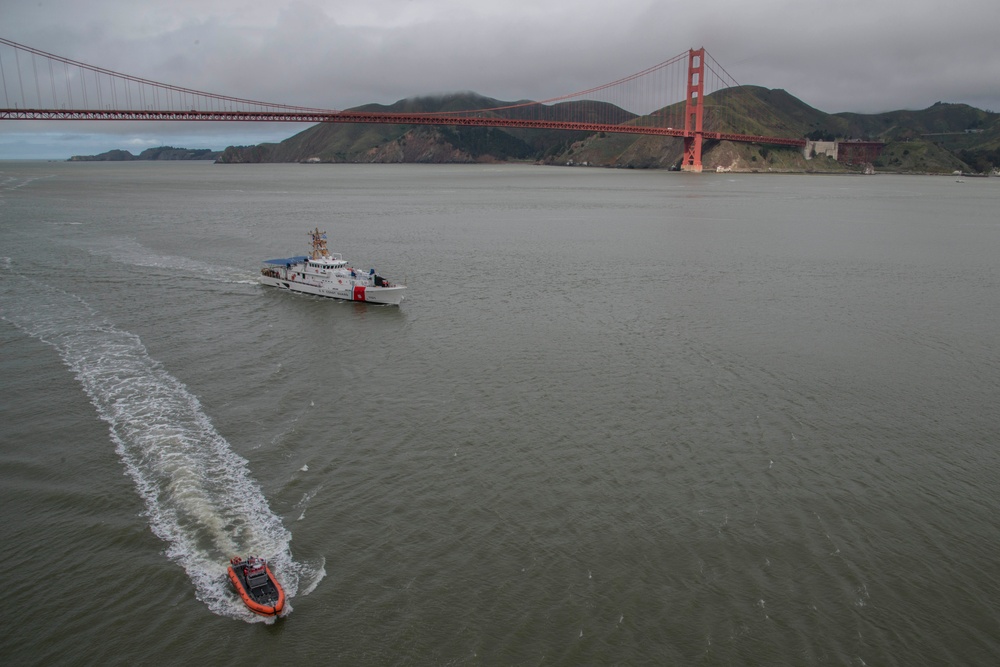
pixel 52 83
pixel 69 91
pixel 20 80
pixel 3 76
pixel 83 86
pixel 38 91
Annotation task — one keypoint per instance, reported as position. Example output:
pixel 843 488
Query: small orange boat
pixel 255 583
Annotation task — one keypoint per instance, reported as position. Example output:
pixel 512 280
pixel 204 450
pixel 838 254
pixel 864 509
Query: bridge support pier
pixel 692 154
pixel 693 109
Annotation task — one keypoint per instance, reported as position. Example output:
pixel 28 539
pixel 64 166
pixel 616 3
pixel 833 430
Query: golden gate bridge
pixel 689 96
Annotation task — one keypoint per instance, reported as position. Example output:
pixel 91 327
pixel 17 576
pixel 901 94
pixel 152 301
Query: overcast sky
pixel 836 55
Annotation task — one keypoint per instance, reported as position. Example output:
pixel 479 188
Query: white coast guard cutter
pixel 323 273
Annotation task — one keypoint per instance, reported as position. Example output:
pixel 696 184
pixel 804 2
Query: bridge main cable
pixel 155 84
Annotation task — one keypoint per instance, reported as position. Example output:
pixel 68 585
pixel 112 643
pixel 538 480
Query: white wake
pixel 199 495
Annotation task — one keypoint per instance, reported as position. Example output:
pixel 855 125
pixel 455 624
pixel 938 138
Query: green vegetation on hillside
pixel 940 139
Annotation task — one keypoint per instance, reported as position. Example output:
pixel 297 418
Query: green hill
pixel 940 139
pixel 359 142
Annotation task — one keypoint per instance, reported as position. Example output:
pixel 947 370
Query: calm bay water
pixel 621 418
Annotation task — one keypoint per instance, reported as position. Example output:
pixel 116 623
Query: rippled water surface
pixel 622 417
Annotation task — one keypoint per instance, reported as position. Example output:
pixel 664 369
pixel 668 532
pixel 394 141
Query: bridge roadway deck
pixel 384 118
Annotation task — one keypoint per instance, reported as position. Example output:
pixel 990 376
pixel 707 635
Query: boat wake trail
pixel 199 496
pixel 129 251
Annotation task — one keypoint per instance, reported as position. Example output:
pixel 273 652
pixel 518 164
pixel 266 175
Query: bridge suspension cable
pixel 112 89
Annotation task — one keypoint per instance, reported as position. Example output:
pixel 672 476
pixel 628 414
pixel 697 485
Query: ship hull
pixel 345 290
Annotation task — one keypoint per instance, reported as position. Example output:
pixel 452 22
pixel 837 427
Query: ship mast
pixel 319 244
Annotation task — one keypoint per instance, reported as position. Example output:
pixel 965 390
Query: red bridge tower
pixel 693 110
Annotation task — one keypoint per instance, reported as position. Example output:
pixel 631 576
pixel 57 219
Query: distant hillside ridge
pixel 360 142
pixel 159 153
pixel 943 138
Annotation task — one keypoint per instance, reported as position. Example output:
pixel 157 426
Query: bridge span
pixel 670 96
